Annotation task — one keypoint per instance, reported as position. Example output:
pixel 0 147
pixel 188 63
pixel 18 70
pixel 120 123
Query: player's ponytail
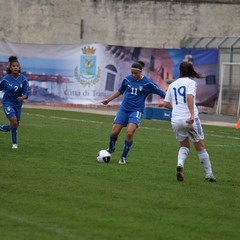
pixel 187 70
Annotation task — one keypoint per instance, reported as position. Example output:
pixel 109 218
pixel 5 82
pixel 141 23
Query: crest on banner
pixel 89 73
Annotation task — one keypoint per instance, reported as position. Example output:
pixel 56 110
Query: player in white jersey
pixel 185 122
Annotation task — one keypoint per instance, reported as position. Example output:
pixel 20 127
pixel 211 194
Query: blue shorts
pixel 125 117
pixel 11 110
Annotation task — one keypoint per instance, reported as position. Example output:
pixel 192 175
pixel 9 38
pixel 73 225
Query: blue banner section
pixel 198 57
pixel 85 74
pixel 157 113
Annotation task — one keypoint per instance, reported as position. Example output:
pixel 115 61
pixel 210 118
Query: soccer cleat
pixel 113 150
pixel 210 178
pixel 179 173
pixel 122 160
pixel 14 146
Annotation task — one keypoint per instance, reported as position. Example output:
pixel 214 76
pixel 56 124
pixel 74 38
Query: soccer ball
pixel 103 156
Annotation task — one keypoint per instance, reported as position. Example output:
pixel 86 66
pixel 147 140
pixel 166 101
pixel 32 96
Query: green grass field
pixel 52 187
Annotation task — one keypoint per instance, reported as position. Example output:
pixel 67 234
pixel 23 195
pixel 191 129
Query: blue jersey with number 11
pixel 136 91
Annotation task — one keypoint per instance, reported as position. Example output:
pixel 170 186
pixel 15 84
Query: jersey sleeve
pixel 192 88
pixel 168 97
pixel 123 86
pixel 154 88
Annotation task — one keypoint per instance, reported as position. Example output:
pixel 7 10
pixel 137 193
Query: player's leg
pixel 128 142
pixel 180 131
pixel 14 127
pixel 183 151
pixel 119 122
pixel 116 129
pixel 5 128
pixel 10 113
pixel 18 111
pixel 134 120
pixel 205 160
pixel 198 141
pixel 182 156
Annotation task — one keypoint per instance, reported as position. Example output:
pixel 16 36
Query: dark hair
pixel 142 63
pixel 139 65
pixel 11 60
pixel 187 70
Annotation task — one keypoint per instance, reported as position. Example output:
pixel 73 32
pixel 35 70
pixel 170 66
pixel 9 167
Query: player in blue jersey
pixel 185 121
pixel 135 87
pixel 16 89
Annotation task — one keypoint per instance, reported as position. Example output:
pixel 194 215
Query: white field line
pixel 221 136
pixel 147 128
pixel 113 112
pixel 63 118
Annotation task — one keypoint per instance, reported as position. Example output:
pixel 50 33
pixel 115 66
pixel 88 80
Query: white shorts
pixel 182 130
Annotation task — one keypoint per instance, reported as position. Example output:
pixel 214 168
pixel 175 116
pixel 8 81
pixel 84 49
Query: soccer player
pixel 185 122
pixel 135 88
pixel 16 88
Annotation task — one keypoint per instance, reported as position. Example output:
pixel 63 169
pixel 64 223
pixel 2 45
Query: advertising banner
pixel 86 74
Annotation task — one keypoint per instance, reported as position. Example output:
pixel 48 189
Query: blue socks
pixel 5 128
pixel 112 143
pixel 14 135
pixel 127 146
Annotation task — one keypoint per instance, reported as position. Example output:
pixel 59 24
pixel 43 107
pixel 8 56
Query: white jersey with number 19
pixel 177 94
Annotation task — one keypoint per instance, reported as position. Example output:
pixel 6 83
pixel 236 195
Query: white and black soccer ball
pixel 103 156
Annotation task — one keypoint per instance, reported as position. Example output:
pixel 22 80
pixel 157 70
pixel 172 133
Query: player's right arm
pixel 2 83
pixel 167 100
pixel 110 98
pixel 120 91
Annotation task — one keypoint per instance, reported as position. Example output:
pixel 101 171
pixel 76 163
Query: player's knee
pixel 14 124
pixel 185 143
pixel 129 134
pixel 114 133
pixel 200 146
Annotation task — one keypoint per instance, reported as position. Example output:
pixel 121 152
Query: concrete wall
pixel 160 24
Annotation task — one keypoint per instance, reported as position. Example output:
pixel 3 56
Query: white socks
pixel 205 160
pixel 202 155
pixel 182 155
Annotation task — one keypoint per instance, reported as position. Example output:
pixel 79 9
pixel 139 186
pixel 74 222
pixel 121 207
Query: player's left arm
pixel 166 105
pixel 25 92
pixel 154 88
pixel 190 104
pixel 191 92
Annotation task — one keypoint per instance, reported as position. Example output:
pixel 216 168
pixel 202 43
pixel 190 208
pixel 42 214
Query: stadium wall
pixel 148 23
